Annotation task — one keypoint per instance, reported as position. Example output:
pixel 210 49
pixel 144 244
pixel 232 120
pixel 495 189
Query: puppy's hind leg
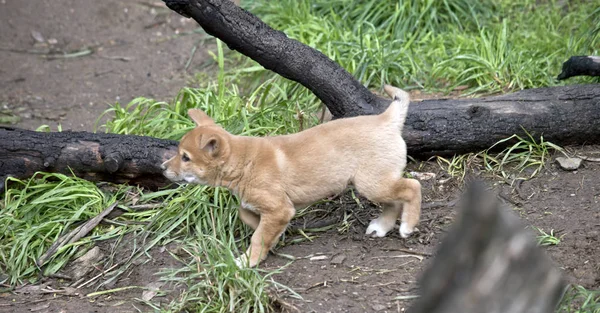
pixel 402 195
pixel 409 192
pixel 380 226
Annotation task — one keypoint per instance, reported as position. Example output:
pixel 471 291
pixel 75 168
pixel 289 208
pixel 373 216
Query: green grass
pixel 524 155
pixel 458 165
pixel 547 239
pixel 36 212
pixel 487 46
pixel 578 299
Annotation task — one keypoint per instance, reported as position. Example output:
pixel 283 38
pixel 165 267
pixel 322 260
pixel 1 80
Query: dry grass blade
pixel 74 235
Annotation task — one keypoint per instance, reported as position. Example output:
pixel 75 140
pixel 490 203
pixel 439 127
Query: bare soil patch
pixel 64 61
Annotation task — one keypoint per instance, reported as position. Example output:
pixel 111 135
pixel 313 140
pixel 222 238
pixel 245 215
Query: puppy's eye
pixel 185 158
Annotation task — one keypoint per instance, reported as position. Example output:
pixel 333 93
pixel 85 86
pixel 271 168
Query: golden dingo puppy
pixel 272 176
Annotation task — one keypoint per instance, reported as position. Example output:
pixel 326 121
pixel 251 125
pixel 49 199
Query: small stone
pixel 85 263
pixel 569 164
pixel 152 289
pixel 338 259
pixel 37 36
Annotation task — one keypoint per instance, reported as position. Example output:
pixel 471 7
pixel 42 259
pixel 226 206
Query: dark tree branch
pixel 489 263
pixel 580 66
pixel 343 95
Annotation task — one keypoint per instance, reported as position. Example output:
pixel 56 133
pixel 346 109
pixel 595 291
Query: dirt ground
pixel 64 61
pixel 136 52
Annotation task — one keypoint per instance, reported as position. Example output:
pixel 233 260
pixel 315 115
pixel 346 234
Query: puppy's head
pixel 201 154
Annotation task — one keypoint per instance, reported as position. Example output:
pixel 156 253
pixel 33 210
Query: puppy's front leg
pixel 272 224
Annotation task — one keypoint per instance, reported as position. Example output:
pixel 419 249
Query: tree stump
pixel 488 263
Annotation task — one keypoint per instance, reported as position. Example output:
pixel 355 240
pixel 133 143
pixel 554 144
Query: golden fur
pixel 273 176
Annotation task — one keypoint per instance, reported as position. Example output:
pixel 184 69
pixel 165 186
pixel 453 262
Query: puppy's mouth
pixel 183 178
pixel 191 179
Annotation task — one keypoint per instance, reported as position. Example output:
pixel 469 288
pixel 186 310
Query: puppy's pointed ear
pixel 200 118
pixel 211 144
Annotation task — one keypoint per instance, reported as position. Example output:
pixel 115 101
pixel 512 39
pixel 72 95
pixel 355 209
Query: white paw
pixel 405 230
pixel 241 261
pixel 375 229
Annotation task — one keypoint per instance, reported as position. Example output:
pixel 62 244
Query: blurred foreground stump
pixel 489 263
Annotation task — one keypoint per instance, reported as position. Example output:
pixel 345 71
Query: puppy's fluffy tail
pixel 398 109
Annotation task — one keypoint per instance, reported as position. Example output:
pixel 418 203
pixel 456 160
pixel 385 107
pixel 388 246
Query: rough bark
pixel 489 263
pixel 95 157
pixel 580 66
pixel 342 94
pixel 568 115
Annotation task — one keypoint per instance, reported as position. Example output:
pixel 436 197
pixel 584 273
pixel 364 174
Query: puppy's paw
pixel 405 230
pixel 241 261
pixel 378 229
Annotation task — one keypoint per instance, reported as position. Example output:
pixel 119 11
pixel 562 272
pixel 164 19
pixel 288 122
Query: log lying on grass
pixel 95 157
pixel 564 115
pixel 488 263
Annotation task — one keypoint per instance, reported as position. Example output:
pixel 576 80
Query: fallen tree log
pixel 567 115
pixel 489 263
pixel 94 157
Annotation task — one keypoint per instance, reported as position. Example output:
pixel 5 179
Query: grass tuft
pixel 547 239
pixel 525 154
pixel 36 212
